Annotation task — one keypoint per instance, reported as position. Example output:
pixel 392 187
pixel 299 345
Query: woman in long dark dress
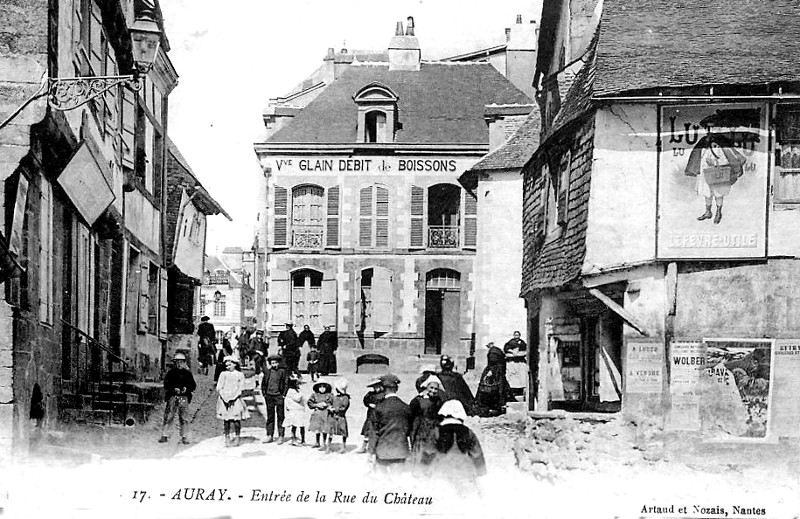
pixel 459 456
pixel 493 388
pixel 425 420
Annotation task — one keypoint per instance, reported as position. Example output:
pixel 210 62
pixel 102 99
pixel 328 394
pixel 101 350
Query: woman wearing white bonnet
pixel 425 420
pixel 459 454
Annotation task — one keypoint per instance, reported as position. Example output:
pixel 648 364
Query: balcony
pixel 443 237
pixel 307 239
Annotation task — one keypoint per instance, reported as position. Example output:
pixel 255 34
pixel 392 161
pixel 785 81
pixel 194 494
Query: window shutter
pixel 128 127
pixel 281 204
pixel 417 239
pixel 382 295
pixel 357 304
pixel 144 296
pixel 328 302
pixel 470 221
pixel 279 291
pixel 562 202
pixel 163 304
pixel 332 239
pixel 365 220
pixel 382 217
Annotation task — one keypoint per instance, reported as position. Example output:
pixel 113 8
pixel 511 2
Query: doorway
pixel 442 311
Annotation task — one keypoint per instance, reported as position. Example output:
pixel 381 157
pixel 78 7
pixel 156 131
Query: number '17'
pixel 139 494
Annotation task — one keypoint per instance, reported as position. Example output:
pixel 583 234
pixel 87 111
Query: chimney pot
pixel 399 30
pixel 410 26
pixel 508 33
pixel 519 18
pixel 330 51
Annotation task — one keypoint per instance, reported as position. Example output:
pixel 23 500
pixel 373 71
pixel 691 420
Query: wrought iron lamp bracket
pixel 70 93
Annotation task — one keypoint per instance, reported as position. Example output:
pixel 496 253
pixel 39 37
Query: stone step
pixel 121 412
pixel 86 416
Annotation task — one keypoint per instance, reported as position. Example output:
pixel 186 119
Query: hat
pixel 205 318
pixel 231 358
pixel 453 413
pixel 374 382
pixel 341 385
pixel 432 379
pixel 427 368
pixel 274 357
pixel 288 324
pixel 319 385
pixel 446 361
pixel 389 380
pixel 179 356
pixel 260 331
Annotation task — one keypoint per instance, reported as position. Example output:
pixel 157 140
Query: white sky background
pixel 233 56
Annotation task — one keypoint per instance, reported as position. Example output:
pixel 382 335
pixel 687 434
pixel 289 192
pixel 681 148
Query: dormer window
pixel 377 113
pixel 375 126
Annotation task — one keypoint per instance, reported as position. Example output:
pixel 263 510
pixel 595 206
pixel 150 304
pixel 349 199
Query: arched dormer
pixel 377 113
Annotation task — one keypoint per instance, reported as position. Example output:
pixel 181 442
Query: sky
pixel 233 56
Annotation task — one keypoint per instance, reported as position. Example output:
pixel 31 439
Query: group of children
pixel 323 413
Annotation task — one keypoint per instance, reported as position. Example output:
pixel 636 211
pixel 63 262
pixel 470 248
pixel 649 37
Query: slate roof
pixel 440 103
pixel 663 43
pixel 517 150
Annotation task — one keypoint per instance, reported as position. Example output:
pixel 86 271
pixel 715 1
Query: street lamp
pixel 72 92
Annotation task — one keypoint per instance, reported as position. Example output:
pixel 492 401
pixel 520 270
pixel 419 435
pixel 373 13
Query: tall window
pixel 444 216
pixel 374 216
pixel 787 154
pixel 307 298
pixel 220 306
pixel 153 298
pixel 308 217
pixel 374 301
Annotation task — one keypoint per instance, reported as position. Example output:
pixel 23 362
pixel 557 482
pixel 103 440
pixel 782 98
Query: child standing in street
pixel 313 363
pixel 373 395
pixel 337 419
pixel 295 415
pixel 230 405
pixel 319 403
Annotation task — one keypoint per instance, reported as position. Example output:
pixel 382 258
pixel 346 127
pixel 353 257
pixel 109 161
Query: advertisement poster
pixel 644 366
pixel 786 386
pixel 712 182
pixel 736 388
pixel 687 362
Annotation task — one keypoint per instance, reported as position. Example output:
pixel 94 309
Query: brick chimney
pixel 404 51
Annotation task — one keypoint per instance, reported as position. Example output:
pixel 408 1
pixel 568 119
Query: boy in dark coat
pixel 178 385
pixel 274 386
pixel 392 419
pixel 289 348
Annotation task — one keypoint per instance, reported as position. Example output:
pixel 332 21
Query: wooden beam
pixel 620 311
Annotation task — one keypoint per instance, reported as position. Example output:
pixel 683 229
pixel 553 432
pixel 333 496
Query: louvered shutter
pixel 144 296
pixel 470 221
pixel 281 205
pixel 163 304
pixel 332 239
pixel 417 238
pixel 381 217
pixel 358 304
pixel 365 220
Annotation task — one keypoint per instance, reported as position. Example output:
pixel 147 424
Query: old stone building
pixel 365 227
pixel 227 296
pixel 660 214
pixel 82 160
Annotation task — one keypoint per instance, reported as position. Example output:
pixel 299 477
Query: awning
pixel 84 180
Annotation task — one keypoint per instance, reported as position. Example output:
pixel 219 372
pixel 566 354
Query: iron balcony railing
pixel 307 239
pixel 443 237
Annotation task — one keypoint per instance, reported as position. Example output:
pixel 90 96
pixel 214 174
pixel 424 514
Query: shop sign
pixel 712 181
pixel 644 363
pixel 84 182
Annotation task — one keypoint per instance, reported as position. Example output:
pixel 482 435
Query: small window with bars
pixel 787 154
